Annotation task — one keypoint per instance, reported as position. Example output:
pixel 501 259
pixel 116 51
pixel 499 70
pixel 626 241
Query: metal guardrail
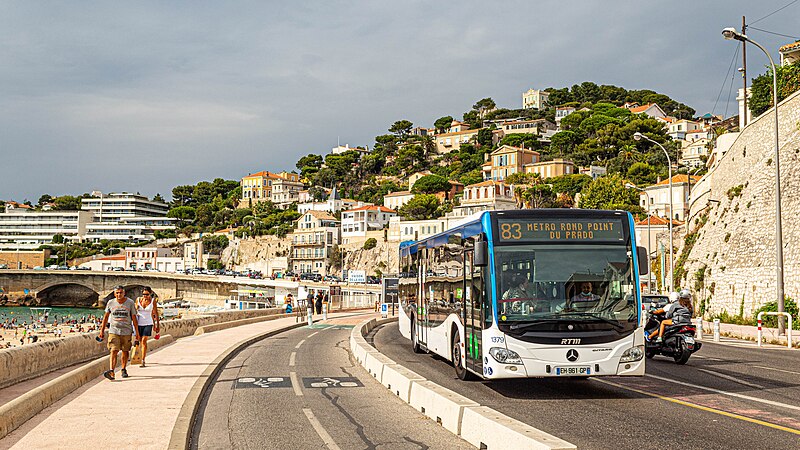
pixel 788 329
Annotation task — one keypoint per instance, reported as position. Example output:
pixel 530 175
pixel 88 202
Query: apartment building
pixel 562 112
pixel 257 187
pixel 485 196
pixel 655 198
pixel 535 99
pixel 550 169
pixel 22 228
pixel 538 126
pixel 315 234
pixel 507 160
pixel 396 200
pixel 357 222
pixel 125 216
pixel 285 191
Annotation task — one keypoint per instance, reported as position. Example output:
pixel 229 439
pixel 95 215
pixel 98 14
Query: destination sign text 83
pixel 584 230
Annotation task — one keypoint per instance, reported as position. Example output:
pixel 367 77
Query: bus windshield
pixel 550 284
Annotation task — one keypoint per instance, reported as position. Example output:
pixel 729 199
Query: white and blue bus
pixel 528 293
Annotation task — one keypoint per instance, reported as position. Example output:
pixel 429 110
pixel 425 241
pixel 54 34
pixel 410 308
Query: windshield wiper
pixel 615 323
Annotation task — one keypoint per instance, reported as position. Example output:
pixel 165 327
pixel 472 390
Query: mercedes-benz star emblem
pixel 572 355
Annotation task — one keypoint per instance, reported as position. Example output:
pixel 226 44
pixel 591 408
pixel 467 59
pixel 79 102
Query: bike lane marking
pixel 326 438
pixel 292 359
pixel 701 407
pixel 295 384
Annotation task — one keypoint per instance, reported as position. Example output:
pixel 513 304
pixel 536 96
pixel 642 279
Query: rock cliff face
pixel 384 257
pixel 732 261
pixel 260 253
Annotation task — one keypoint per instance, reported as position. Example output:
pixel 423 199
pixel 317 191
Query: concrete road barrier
pixel 374 363
pixel 398 379
pixel 440 404
pixel 486 428
pixel 479 425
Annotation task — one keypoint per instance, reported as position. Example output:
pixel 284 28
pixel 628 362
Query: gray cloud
pixel 148 95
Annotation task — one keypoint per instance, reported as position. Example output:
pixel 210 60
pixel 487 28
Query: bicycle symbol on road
pixel 263 382
pixel 329 382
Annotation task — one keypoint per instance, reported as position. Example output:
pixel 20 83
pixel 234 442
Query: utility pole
pixel 744 72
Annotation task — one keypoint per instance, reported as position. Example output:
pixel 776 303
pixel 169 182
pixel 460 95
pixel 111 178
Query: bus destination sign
pixel 561 230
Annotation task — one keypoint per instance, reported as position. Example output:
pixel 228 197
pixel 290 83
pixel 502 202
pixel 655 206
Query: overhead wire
pixel 772 32
pixel 725 79
pixel 774 12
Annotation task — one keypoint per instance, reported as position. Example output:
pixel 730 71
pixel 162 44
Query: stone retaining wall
pixel 736 247
pixel 23 363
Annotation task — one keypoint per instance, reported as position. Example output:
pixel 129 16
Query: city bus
pixel 527 293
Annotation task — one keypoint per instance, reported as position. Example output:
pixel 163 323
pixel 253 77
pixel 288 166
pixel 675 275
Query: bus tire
pixel 414 343
pixel 461 372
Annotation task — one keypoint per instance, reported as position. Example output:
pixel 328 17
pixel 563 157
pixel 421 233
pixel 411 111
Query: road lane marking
pixel 295 384
pixel 326 438
pixel 312 334
pixel 732 378
pixel 732 394
pixel 299 344
pixel 291 358
pixel 702 408
pixel 779 370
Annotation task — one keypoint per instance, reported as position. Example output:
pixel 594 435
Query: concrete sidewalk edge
pixel 502 431
pixel 21 409
pixel 181 437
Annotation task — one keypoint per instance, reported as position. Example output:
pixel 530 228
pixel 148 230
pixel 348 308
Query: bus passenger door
pixel 422 306
pixel 471 315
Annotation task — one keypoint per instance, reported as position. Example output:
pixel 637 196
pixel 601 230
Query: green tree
pixel 45 198
pixel 370 243
pixel 183 195
pixel 431 184
pixel 609 192
pixel 159 198
pixel 569 184
pixel 788 83
pixel 67 203
pixel 421 207
pixel 184 214
pixel 442 124
pixel 484 137
pixel 642 174
pixel 563 142
pixel 401 128
pixel 484 105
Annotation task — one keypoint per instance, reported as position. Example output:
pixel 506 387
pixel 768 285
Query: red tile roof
pixel 680 178
pixel 655 220
pixel 373 208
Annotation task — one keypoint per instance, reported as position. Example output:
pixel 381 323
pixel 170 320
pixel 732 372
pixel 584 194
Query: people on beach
pixel 147 318
pixel 121 311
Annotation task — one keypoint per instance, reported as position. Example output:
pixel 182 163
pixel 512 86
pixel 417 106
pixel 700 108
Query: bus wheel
pixel 414 343
pixel 461 372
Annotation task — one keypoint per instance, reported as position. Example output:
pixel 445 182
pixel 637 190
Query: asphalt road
pixel 265 398
pixel 728 396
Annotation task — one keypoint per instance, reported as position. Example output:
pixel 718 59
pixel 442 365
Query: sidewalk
pixel 140 411
pixel 749 333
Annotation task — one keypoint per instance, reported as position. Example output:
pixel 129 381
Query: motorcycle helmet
pixel 685 294
pixel 673 297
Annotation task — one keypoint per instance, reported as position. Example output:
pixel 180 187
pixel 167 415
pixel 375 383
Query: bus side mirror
pixel 641 256
pixel 481 256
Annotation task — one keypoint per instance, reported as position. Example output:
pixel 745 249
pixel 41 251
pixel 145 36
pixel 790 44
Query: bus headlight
pixel 632 354
pixel 504 356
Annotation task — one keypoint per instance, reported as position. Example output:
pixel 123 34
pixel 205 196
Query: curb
pixel 235 323
pixel 481 426
pixel 181 437
pixel 21 409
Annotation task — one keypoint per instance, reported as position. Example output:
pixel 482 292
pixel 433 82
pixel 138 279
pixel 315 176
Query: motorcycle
pixel 678 341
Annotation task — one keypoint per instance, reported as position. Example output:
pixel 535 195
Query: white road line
pixel 732 394
pixel 312 334
pixel 731 378
pixel 291 358
pixel 779 370
pixel 295 384
pixel 326 438
pixel 299 344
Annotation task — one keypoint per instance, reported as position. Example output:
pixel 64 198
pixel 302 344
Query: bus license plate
pixel 583 370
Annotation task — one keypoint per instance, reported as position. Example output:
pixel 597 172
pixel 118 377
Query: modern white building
pixel 412 230
pixel 126 217
pixel 332 205
pixel 357 222
pixel 285 191
pixel 26 229
pixel 655 199
pixel 562 112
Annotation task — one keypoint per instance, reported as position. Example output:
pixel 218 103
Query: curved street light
pixel 732 34
pixel 638 137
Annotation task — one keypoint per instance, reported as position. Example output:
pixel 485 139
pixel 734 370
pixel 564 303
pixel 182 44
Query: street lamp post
pixel 732 34
pixel 638 137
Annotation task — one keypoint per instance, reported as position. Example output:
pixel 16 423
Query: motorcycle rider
pixel 678 312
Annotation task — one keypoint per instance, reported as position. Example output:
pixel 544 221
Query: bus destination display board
pixel 561 230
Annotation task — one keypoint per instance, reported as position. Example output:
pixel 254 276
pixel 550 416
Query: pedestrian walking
pixel 147 318
pixel 318 303
pixel 121 317
pixel 310 299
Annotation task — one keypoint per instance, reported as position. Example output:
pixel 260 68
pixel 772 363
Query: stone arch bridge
pixel 87 289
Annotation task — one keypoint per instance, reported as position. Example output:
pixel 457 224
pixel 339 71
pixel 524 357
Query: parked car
pixel 373 280
pixel 332 279
pixel 3 266
pixel 308 276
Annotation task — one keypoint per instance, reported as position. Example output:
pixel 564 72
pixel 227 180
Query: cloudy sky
pixel 143 96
